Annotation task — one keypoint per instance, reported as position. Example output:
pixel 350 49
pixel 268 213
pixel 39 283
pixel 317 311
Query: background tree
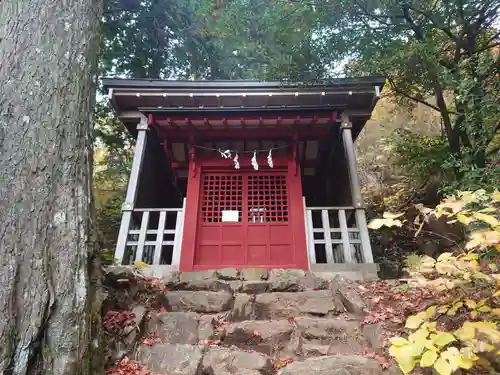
pixel 437 53
pixel 48 52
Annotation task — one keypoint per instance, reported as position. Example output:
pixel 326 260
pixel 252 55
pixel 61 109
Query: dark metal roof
pixel 111 83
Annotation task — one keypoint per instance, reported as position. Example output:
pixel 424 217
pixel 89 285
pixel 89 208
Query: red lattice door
pixel 244 221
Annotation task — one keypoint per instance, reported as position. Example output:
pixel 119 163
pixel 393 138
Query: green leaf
pixel 428 358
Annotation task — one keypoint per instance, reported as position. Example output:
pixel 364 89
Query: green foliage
pixel 422 156
pixel 419 156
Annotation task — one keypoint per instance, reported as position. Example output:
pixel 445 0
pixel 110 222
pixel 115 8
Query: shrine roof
pixel 211 105
pixel 179 96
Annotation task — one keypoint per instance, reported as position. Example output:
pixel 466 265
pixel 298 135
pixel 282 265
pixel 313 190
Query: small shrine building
pixel 245 174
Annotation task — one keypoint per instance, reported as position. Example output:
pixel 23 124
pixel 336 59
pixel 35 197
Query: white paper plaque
pixel 230 216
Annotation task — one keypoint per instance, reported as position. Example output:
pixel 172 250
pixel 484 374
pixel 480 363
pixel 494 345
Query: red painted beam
pixel 261 133
pixel 329 115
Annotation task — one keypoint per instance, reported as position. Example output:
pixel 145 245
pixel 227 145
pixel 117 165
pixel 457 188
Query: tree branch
pixel 435 23
pixel 421 101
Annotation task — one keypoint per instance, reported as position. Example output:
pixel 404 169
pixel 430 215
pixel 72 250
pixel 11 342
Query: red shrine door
pixel 246 219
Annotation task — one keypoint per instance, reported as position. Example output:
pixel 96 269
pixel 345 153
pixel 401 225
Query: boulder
pixel 197 301
pixel 334 365
pixel 255 286
pixel 172 359
pixel 347 291
pixel 331 336
pixel 206 328
pixel 221 361
pixel 374 335
pixel 254 274
pixel 228 274
pixel 242 308
pixel 132 332
pixel 285 280
pixel 174 327
pixel 283 304
pixel 268 337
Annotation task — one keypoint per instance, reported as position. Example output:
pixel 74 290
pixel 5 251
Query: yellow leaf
pixel 390 215
pixel 484 309
pixel 455 308
pixel 470 303
pixel 414 321
pixel 497 294
pixel 443 309
pixel 398 341
pixel 464 219
pixel 464 362
pixel 419 336
pixel 442 339
pixel 496 311
pixel 491 220
pixel 379 223
pixel 495 197
pixel 488 210
pixel 473 314
pixel 428 358
pixel 406 364
pixel 466 332
pixel 140 264
pixel 429 313
pixel 443 367
pixel 445 256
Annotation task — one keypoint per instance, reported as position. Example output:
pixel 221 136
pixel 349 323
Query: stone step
pixel 251 280
pixel 337 365
pixel 293 338
pixel 182 359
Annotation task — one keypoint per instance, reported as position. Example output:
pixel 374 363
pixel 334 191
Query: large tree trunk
pixel 48 53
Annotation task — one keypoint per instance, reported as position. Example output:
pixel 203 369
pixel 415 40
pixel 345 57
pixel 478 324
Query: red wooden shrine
pixel 238 214
pixel 243 217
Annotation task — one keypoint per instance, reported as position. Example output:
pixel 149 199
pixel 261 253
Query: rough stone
pixel 171 277
pixel 124 280
pixel 257 286
pixel 172 359
pixel 197 276
pixel 285 280
pixel 283 305
pixel 235 285
pixel 210 284
pixel 115 273
pixel 228 274
pixel 254 274
pixel 133 331
pixel 310 281
pixel 243 308
pixel 267 337
pixel 206 327
pixel 334 365
pixel 349 296
pixel 340 336
pixel 220 361
pixel 373 334
pixel 174 327
pixel 197 301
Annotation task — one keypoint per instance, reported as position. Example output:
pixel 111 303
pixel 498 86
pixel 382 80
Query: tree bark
pixel 48 56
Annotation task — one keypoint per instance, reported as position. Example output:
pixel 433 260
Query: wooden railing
pixel 156 239
pixel 337 235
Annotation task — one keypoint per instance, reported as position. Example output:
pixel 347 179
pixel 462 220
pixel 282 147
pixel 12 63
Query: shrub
pixel 461 330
